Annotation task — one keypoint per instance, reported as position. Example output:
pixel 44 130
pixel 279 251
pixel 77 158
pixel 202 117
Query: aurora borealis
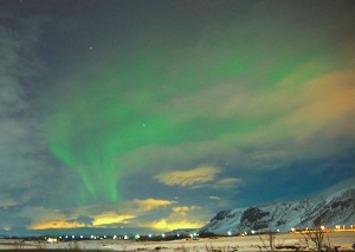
pixel 155 115
pixel 144 99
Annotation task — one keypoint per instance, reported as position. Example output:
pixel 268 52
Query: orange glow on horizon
pixel 56 224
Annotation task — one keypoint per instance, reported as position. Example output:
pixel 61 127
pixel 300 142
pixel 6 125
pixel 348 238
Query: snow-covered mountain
pixel 337 209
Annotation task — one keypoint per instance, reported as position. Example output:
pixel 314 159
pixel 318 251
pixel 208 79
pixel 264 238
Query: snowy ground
pixel 343 240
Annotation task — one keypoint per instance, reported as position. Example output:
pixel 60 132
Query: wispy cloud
pixel 196 176
pixel 31 172
pixel 86 220
pixel 212 197
pixel 228 183
pixel 150 204
pixel 111 218
pixel 271 126
pixel 182 211
pixel 21 145
pixel 8 202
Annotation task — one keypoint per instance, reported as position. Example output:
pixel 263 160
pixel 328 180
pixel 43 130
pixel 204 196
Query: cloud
pixel 328 99
pixel 196 176
pixel 24 158
pixel 182 211
pixel 58 219
pixel 41 217
pixel 134 213
pixel 130 211
pixel 6 201
pixel 180 217
pixel 56 224
pixel 166 225
pixel 299 117
pixel 150 204
pixel 212 197
pixel 318 127
pixel 228 183
pixel 103 215
pixel 111 218
pixel 86 220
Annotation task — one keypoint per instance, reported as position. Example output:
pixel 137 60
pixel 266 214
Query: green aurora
pixel 117 108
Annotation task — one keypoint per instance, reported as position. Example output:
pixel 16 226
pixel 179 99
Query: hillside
pixel 336 209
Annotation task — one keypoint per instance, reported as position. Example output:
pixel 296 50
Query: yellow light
pixel 164 224
pixel 110 218
pixel 56 224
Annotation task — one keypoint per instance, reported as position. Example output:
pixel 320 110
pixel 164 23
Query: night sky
pixel 155 115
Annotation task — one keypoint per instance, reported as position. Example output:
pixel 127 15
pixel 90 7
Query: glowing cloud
pixel 92 216
pixel 151 204
pixel 101 220
pixel 165 224
pixel 327 99
pixel 182 211
pixel 56 224
pixel 110 218
pixel 199 175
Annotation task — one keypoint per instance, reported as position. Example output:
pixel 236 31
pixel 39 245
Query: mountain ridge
pixel 338 208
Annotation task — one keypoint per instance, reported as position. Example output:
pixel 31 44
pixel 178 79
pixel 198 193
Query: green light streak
pixel 116 109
